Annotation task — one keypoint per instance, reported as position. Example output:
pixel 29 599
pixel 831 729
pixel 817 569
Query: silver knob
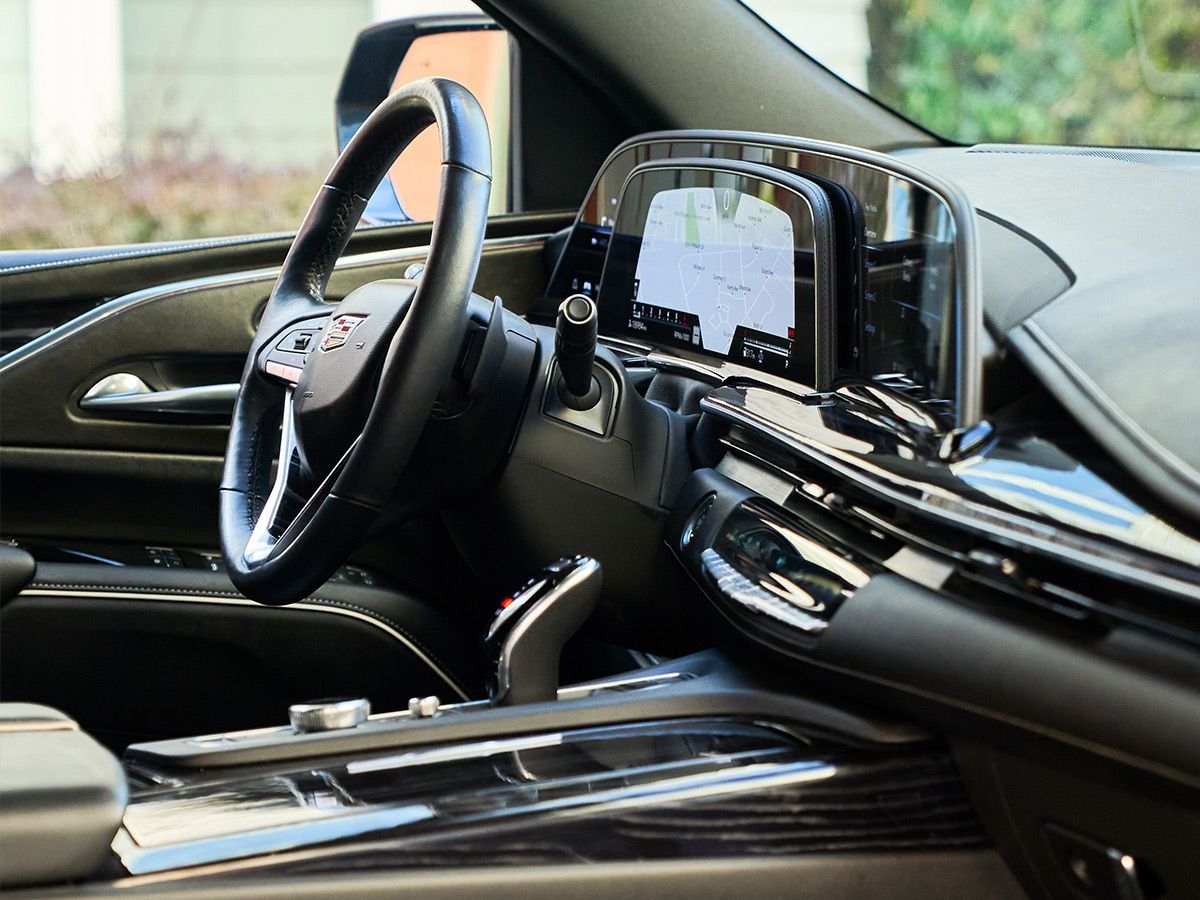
pixel 423 707
pixel 329 715
pixel 413 272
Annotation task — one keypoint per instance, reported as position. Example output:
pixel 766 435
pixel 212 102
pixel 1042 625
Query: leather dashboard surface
pixel 1118 347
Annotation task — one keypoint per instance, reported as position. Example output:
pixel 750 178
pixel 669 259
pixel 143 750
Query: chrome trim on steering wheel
pixel 262 542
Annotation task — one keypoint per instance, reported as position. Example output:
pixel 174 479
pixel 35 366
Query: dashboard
pixel 799 260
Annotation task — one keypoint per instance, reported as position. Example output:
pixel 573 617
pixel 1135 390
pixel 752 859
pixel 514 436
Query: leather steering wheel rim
pixel 278 562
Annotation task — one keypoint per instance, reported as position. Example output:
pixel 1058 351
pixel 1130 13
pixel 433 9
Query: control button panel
pixel 761 561
pixel 160 556
pixel 164 557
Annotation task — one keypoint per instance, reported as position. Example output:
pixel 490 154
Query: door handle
pixel 125 396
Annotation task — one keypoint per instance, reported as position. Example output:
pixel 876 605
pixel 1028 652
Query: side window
pixel 129 121
pixel 470 49
pixel 478 60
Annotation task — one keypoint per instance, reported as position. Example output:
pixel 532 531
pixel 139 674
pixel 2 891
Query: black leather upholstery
pixel 136 652
pixel 16 569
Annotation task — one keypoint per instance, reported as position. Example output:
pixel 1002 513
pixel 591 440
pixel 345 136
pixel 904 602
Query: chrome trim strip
pixel 305 605
pixel 565 694
pixel 261 541
pixel 128 302
pixel 252 844
pixel 139 860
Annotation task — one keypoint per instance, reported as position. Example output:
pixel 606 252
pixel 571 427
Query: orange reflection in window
pixel 479 61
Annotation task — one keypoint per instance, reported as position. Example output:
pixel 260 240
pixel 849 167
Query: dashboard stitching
pixel 252 506
pixel 140 588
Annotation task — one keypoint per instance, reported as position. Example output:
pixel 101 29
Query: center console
pixel 661 762
pixel 665 763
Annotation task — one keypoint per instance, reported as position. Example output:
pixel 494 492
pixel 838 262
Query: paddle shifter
pixel 575 349
pixel 531 626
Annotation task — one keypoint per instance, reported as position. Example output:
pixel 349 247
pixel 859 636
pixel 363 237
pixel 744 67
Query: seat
pixel 139 653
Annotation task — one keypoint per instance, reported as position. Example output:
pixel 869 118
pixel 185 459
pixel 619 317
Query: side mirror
pixel 472 50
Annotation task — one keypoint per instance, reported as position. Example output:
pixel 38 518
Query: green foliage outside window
pixel 1041 71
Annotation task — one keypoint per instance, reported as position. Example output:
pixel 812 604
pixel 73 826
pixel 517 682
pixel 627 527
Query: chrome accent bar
pixel 199 402
pixel 737 587
pixel 261 541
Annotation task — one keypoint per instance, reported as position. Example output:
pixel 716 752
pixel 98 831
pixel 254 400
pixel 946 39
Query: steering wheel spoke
pixel 293 499
pixel 270 525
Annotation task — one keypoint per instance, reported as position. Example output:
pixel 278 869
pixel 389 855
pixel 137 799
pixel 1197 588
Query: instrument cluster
pixel 683 238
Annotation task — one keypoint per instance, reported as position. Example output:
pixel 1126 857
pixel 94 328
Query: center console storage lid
pixel 62 797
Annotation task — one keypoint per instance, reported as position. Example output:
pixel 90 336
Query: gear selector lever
pixel 531 626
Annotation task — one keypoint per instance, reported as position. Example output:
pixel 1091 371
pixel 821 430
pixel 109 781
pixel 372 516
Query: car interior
pixel 773 498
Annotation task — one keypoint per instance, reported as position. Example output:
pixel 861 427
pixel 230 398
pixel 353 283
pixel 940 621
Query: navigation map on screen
pixel 714 260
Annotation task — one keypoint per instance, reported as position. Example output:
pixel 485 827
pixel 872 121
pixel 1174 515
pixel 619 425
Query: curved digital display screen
pixel 714 263
pixel 895 309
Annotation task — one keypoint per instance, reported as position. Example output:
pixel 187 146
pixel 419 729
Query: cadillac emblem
pixel 339 331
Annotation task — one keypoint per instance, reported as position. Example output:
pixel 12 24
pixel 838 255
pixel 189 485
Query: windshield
pixel 1083 72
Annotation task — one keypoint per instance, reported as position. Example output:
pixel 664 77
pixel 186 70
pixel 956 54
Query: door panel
pixel 40 290
pixel 67 472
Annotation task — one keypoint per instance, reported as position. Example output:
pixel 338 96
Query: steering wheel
pixel 348 390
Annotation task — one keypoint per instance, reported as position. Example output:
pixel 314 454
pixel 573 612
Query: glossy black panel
pixel 686 788
pixel 1018 512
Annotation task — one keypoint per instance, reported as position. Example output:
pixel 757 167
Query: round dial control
pixel 329 714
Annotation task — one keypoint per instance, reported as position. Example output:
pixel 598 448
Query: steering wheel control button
pixel 332 714
pixel 424 707
pixel 286 372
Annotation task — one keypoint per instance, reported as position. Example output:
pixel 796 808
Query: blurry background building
pixel 141 120
pixel 86 82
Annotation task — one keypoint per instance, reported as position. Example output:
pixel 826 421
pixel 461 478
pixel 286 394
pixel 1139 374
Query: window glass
pixel 1079 72
pixel 155 120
